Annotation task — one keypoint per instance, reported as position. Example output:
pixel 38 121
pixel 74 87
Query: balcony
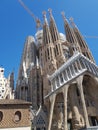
pixel 77 65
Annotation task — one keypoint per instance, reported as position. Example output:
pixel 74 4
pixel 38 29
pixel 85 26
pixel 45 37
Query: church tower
pixel 28 59
pixel 56 41
pixel 70 37
pixel 49 60
pixel 83 45
pixel 48 49
pixel 35 85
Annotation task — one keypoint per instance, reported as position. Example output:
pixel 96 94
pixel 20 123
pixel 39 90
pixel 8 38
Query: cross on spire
pixel 63 14
pixel 45 18
pixel 50 11
pixel 38 23
pixel 44 14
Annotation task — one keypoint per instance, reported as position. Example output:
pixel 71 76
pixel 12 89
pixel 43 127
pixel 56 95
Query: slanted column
pixel 74 104
pixel 79 64
pixel 80 87
pixel 59 80
pixel 52 100
pixel 87 64
pixel 65 93
pixel 56 84
pixel 83 63
pixel 92 68
pixel 76 66
pixel 66 74
pixel 70 71
pixel 95 70
pixel 63 76
pixel 73 69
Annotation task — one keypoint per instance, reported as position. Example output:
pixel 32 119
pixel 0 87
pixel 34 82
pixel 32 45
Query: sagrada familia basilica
pixel 59 76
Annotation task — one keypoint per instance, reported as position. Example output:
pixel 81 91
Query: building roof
pixel 14 101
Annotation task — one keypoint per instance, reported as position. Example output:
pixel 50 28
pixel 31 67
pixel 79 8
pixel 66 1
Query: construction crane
pixel 38 22
pixel 36 19
pixel 95 37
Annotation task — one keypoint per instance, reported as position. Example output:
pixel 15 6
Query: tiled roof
pixel 14 101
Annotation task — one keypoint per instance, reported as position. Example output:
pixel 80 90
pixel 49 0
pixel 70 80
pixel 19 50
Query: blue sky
pixel 16 24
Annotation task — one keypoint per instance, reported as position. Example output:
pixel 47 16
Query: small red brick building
pixel 15 114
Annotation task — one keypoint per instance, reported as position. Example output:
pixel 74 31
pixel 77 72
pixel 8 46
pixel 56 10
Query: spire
pixel 67 29
pixel 82 43
pixel 45 18
pixel 53 27
pixel 50 13
pixel 46 31
pixel 70 35
pixel 65 20
pixel 72 23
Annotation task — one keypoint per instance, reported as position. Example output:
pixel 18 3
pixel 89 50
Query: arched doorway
pixel 75 116
pixel 90 87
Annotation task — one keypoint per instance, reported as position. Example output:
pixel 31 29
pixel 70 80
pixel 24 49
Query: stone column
pixel 59 115
pixel 52 85
pixel 74 107
pixel 80 67
pixel 65 92
pixel 52 100
pixel 79 83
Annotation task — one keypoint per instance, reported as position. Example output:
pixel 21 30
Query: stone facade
pixel 14 114
pixel 64 77
pixel 35 80
pixel 28 60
